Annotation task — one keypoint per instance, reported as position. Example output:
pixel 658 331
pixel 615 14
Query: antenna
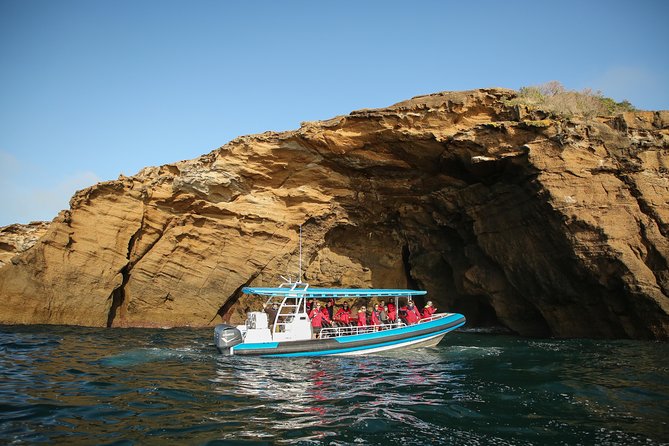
pixel 300 276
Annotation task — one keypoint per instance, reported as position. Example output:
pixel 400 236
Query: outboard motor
pixel 225 337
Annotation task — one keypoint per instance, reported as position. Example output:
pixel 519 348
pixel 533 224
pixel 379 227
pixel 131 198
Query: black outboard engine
pixel 226 336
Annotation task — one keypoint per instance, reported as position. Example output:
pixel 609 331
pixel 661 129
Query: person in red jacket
pixel 343 316
pixel 326 312
pixel 376 319
pixel 392 313
pixel 317 317
pixel 412 313
pixel 362 317
pixel 429 310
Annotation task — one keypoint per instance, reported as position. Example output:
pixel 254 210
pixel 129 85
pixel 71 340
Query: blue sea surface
pixel 72 385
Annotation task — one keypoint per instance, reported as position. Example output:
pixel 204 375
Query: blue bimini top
pixel 322 293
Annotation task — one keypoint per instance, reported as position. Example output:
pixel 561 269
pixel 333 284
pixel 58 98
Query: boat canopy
pixel 324 293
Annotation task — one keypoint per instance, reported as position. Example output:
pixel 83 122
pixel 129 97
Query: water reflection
pixel 324 396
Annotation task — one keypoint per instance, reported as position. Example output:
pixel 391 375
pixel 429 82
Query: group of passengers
pixel 381 314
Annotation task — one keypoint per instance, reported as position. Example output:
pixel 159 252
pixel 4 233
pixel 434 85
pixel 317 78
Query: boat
pixel 289 333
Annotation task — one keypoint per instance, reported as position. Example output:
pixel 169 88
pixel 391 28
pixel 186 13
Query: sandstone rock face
pixel 547 226
pixel 17 238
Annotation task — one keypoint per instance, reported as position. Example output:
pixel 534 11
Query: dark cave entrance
pixel 477 310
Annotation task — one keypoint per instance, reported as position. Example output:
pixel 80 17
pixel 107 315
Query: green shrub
pixel 553 97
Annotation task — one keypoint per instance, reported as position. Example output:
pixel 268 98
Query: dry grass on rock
pixel 553 97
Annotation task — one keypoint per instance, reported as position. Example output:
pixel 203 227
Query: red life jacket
pixel 343 315
pixel 392 312
pixel 317 316
pixel 428 311
pixel 362 318
pixel 413 315
pixel 375 318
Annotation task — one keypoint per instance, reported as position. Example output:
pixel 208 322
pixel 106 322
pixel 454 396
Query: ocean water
pixel 66 385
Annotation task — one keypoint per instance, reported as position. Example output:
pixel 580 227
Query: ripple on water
pixel 65 385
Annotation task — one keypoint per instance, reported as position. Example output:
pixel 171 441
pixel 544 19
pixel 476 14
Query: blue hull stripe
pixel 256 346
pixel 366 347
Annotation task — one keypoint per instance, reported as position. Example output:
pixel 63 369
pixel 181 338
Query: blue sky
pixel 90 89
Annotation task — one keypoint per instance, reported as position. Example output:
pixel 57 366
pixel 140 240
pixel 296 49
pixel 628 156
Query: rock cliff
pixel 548 226
pixel 17 238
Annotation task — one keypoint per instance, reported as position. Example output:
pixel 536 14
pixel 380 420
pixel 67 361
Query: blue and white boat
pixel 290 334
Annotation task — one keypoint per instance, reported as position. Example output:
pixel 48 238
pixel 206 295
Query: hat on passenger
pixel 429 303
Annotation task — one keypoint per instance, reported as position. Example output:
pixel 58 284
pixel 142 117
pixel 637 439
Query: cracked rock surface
pixel 547 226
pixel 17 238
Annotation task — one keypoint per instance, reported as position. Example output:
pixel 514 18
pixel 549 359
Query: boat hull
pixel 420 335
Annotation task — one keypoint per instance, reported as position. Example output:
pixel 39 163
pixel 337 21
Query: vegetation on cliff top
pixel 555 98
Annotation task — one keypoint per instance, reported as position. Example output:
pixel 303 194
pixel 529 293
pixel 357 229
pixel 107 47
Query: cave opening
pixel 478 311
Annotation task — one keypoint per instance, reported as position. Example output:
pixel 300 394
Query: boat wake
pixel 139 356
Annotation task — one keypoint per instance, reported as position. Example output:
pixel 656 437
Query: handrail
pixel 434 317
pixel 331 332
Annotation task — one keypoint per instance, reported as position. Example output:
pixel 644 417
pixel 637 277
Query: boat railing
pixel 331 332
pixel 434 317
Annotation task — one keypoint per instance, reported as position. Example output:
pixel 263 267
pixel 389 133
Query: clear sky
pixel 90 89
